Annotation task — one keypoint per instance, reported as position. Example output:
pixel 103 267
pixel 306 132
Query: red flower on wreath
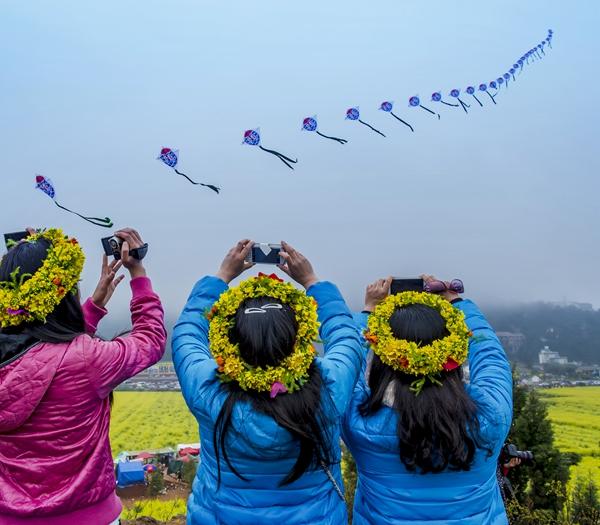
pixel 449 365
pixel 221 363
pixel 270 276
pixel 371 338
pixel 403 362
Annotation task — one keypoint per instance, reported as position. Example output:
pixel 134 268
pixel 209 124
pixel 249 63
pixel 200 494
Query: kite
pixel 310 124
pixel 45 185
pixel 354 114
pixel 414 102
pixel 252 138
pixel 471 91
pixel 170 157
pixel 387 106
pixel 437 97
pixel 483 88
pixel 456 94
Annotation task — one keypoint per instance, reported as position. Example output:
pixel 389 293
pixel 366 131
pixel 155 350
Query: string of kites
pixel 170 157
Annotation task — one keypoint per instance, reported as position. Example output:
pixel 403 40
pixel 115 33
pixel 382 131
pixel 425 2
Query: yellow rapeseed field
pixel 575 416
pixel 143 420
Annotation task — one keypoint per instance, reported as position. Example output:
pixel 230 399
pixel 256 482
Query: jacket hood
pixel 27 368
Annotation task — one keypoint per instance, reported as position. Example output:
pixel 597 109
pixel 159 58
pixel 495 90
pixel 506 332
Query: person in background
pixel 56 378
pixel 426 445
pixel 269 409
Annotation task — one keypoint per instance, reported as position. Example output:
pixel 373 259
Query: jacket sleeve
pixel 92 315
pixel 344 351
pixel 193 361
pixel 109 363
pixel 490 383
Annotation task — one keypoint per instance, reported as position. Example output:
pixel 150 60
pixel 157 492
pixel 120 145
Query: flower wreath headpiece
pixel 27 297
pixel 292 372
pixel 425 361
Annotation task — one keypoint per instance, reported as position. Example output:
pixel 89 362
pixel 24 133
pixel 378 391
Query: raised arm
pixel 344 351
pixel 490 374
pixel 109 363
pixel 193 361
pixel 191 355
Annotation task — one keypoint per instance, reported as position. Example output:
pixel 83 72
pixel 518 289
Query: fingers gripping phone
pixel 406 285
pixel 263 253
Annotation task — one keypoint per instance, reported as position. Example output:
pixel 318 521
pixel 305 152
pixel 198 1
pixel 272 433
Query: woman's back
pixel 388 492
pixel 261 451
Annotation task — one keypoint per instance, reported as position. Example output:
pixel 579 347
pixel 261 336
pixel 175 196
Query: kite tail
pixel 281 157
pixel 96 221
pixel 369 126
pixel 403 121
pixel 432 112
pixel 448 104
pixel 491 96
pixel 464 106
pixel 478 101
pixel 341 141
pixel 214 188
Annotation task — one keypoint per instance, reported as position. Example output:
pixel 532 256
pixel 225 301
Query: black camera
pixel 10 239
pixel 112 246
pixel 510 451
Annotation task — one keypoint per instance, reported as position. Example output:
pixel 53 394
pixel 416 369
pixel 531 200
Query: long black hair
pixel 437 429
pixel 66 322
pixel 265 339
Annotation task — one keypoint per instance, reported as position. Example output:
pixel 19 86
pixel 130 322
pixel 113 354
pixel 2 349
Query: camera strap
pixel 333 480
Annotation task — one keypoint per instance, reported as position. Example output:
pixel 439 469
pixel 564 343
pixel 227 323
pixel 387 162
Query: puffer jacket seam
pixel 20 354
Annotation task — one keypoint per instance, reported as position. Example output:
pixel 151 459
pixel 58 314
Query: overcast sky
pixel 505 198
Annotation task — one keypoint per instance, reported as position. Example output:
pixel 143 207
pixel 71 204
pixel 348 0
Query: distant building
pixel 587 307
pixel 549 357
pixel 512 342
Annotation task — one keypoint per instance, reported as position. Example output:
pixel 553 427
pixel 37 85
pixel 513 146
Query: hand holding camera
pixel 236 261
pixel 377 292
pixel 131 244
pixel 297 266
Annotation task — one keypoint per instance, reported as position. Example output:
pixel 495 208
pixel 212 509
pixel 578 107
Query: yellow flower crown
pixel 27 297
pixel 407 356
pixel 292 373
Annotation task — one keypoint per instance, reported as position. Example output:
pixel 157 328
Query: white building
pixel 549 357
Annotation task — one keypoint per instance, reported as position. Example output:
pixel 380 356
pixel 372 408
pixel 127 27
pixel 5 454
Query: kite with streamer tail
pixel 437 97
pixel 388 106
pixel 310 124
pixel 484 89
pixel 471 91
pixel 45 185
pixel 252 138
pixel 170 157
pixel 354 114
pixel 415 102
pixel 456 94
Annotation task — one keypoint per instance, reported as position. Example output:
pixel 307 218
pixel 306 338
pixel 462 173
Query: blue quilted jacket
pixel 388 494
pixel 259 449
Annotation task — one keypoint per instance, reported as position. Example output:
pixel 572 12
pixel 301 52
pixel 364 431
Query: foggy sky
pixel 504 198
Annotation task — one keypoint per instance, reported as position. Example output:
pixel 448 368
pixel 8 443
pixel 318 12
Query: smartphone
pixel 406 285
pixel 11 238
pixel 263 253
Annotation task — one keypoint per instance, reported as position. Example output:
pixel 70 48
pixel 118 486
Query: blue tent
pixel 130 473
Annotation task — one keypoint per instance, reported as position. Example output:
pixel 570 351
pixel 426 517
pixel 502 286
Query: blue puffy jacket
pixel 389 494
pixel 259 449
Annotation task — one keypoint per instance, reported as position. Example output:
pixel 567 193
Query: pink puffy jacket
pixel 55 460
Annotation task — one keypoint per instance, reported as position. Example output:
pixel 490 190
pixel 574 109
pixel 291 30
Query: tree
pixel 541 485
pixel 584 504
pixel 156 483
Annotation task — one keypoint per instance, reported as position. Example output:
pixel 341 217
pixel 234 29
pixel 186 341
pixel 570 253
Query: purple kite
pixel 354 114
pixel 252 138
pixel 170 157
pixel 45 185
pixel 388 106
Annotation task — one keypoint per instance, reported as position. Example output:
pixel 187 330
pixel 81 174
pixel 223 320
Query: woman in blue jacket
pixel 269 410
pixel 425 444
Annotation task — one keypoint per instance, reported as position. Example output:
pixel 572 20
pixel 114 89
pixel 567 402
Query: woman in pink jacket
pixel 56 378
